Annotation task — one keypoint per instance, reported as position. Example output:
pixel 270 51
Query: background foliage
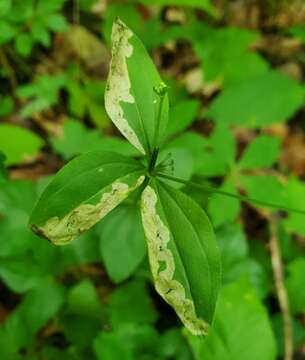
pixel 236 71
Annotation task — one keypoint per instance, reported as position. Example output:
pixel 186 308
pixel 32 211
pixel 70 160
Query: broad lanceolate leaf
pixel 82 193
pixel 240 318
pixel 131 97
pixel 183 254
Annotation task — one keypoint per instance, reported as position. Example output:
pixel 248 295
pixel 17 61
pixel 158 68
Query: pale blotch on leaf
pixel 118 83
pixel 162 265
pixel 82 218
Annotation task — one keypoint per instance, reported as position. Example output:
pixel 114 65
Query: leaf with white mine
pixel 183 254
pixel 82 193
pixel 132 96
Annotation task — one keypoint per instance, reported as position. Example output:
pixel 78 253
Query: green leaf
pixel 83 299
pixel 194 143
pixel 236 261
pixel 5 7
pixel 298 31
pixel 177 162
pixel 142 311
pixel 295 192
pixel 219 152
pixel 42 93
pixel 25 146
pixel 261 152
pixel 225 53
pixel 224 209
pixel 295 285
pixel 262 187
pixel 82 193
pixel 131 100
pixel 77 139
pixel 181 116
pixel 83 307
pixel 39 305
pixel 234 251
pixel 240 318
pixel 56 22
pixel 128 342
pixel 3 171
pixel 122 242
pixel 266 99
pixel 23 43
pixel 181 245
pixel 6 105
pixel 298 333
pixel 108 346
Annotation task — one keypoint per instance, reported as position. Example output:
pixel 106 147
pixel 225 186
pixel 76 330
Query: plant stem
pixel 278 271
pixel 153 160
pixel 157 131
pixel 236 196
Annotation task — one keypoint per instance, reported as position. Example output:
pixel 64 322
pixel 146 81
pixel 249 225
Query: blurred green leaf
pixel 77 140
pixel 225 53
pixel 82 307
pixel 37 308
pixel 142 310
pixel 128 342
pixel 5 6
pixel 3 171
pixel 23 43
pixel 177 162
pixel 224 209
pixel 219 153
pixel 261 152
pixel 266 99
pixel 181 116
pixel 295 285
pixel 42 93
pixel 122 242
pixel 25 146
pixel 298 31
pixel 238 304
pixel 194 143
pixel 85 98
pixel 298 333
pixel 295 194
pixel 264 187
pixel 6 105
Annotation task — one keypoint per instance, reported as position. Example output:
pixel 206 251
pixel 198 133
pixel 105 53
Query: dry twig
pixel 277 266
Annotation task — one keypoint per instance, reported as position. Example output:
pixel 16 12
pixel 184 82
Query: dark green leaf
pixel 82 193
pixel 181 245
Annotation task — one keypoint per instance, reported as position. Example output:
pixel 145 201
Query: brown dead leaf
pixel 278 46
pixel 293 154
pixel 81 44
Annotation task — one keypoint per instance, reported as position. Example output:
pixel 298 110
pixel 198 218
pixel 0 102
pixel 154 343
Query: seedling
pixel 183 253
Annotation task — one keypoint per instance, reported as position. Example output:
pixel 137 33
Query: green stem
pixel 153 160
pixel 156 137
pixel 236 196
